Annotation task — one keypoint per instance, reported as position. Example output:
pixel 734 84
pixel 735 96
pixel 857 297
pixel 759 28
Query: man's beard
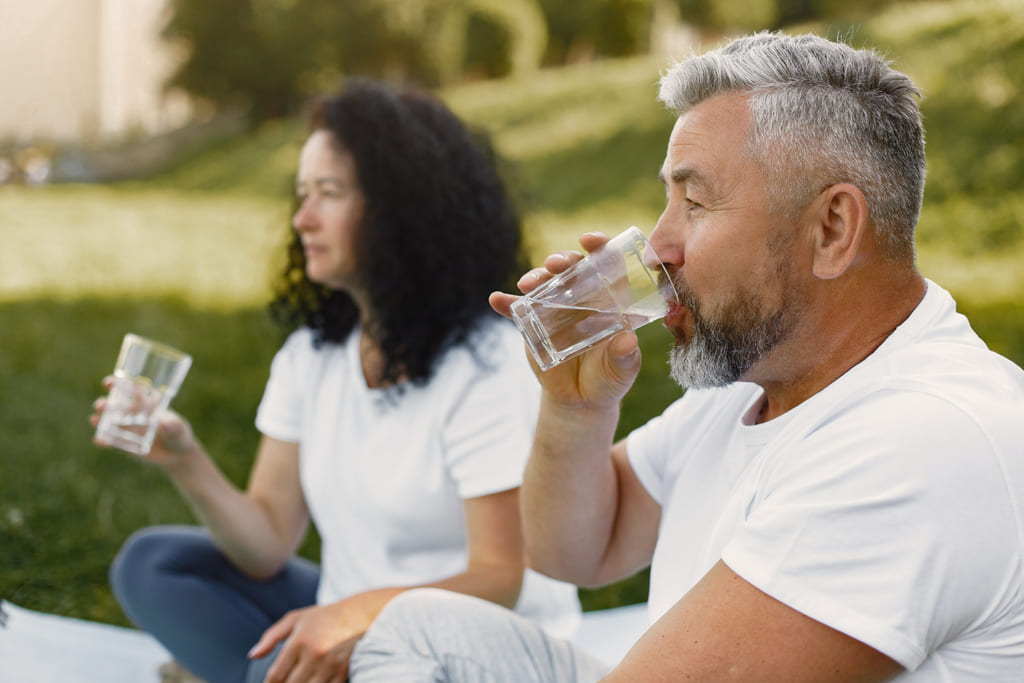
pixel 722 350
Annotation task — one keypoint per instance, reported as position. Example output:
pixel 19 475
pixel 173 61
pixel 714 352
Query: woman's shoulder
pixel 495 340
pixel 305 340
pixel 303 352
pixel 493 346
pixel 301 337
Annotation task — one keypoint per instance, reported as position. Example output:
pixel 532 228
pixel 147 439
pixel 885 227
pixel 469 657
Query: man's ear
pixel 840 221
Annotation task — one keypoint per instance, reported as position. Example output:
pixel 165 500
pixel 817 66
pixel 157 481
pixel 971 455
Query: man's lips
pixel 676 315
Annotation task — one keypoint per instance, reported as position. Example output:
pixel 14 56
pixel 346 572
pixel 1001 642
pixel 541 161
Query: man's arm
pixel 725 629
pixel 586 517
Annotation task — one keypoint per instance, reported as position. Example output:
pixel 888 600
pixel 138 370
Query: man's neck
pixel 844 324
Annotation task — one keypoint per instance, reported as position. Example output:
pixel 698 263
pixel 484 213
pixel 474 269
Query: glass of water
pixel 622 285
pixel 146 377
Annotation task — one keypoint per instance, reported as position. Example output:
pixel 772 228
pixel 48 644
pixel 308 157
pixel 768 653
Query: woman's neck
pixel 371 358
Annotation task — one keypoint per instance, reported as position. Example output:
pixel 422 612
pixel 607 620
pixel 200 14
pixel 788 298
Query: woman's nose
pixel 304 217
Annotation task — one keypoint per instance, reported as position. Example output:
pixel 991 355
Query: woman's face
pixel 330 210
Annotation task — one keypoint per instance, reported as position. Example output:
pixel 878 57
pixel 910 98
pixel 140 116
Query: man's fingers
pixel 561 261
pixel 593 240
pixel 554 264
pixel 502 303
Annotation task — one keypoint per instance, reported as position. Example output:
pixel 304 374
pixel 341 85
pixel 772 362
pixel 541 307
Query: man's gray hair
pixel 822 113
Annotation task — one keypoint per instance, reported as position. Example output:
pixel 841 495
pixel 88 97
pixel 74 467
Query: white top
pixel 385 475
pixel 889 506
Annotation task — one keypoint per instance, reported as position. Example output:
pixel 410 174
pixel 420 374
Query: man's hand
pixel 599 377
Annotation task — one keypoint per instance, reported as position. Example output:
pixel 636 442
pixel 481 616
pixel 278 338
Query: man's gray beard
pixel 701 363
pixel 720 353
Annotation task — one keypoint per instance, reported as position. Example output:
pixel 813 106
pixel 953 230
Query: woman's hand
pixel 319 640
pixel 174 438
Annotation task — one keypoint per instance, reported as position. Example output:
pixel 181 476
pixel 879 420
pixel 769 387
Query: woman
pixel 398 415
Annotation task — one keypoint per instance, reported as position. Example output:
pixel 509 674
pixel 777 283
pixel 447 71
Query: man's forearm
pixel 569 492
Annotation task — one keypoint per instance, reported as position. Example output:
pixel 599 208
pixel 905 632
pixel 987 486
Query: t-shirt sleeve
pixel 886 534
pixel 647 447
pixel 658 449
pixel 279 414
pixel 488 433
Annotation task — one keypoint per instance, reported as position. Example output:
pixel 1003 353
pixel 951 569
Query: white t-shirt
pixel 890 506
pixel 385 475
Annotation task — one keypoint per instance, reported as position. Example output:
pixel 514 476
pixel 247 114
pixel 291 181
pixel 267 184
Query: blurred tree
pixel 270 55
pixel 732 15
pixel 622 27
pixel 251 53
pixel 791 11
pixel 752 15
pixel 816 9
pixel 583 29
pixel 438 41
pixel 566 30
pixel 745 15
pixel 695 12
pixel 524 23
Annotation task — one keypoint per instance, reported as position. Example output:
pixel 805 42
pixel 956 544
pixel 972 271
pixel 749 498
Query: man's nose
pixel 665 243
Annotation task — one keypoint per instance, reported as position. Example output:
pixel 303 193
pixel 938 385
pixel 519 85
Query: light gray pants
pixel 428 635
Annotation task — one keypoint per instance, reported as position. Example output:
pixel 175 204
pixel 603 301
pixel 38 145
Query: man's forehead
pixel 713 129
pixel 679 165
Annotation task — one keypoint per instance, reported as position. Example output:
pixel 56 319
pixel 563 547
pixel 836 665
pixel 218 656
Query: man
pixel 840 493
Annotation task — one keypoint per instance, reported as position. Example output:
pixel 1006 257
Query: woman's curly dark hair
pixel 439 231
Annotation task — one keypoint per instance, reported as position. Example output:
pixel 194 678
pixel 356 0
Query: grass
pixel 73 241
pixel 186 257
pixel 66 506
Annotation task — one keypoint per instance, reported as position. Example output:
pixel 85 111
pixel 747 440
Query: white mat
pixel 44 648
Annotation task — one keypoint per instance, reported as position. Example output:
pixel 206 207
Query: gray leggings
pixel 427 635
pixel 174 583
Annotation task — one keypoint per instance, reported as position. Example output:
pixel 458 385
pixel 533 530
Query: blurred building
pixel 85 72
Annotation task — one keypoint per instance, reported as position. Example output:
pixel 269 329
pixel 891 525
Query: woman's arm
pixel 320 639
pixel 258 529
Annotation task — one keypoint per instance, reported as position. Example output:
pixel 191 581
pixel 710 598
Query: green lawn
pixel 186 257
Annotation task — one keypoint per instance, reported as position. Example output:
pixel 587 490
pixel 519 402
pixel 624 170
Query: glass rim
pixel 166 350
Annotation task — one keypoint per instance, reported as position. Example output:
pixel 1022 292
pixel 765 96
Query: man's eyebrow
pixel 684 174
